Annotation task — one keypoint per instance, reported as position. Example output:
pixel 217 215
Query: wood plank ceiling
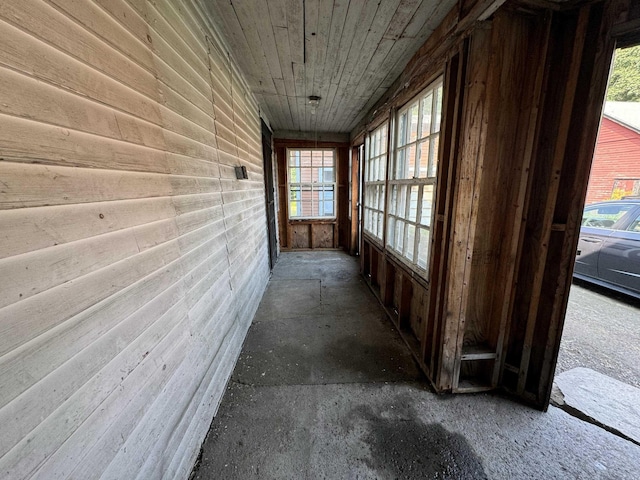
pixel 346 52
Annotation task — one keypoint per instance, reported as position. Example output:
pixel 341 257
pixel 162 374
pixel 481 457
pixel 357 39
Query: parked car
pixel 609 246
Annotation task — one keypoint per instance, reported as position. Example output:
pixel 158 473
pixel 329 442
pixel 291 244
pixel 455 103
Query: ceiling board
pixel 346 52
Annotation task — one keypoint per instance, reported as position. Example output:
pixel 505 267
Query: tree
pixel 624 84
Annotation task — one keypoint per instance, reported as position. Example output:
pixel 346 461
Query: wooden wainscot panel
pixel 418 310
pixel 300 235
pixel 322 235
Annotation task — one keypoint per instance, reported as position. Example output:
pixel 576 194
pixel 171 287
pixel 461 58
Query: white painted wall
pixel 131 259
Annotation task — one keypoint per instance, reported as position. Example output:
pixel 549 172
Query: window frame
pixel 418 222
pixel 312 184
pixel 382 156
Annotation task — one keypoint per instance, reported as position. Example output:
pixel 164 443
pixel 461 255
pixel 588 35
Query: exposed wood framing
pixel 520 82
pixel 311 234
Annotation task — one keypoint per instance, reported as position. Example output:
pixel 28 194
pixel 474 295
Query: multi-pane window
pixel 374 179
pixel 412 178
pixel 311 183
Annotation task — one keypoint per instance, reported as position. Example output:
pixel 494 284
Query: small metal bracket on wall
pixel 241 173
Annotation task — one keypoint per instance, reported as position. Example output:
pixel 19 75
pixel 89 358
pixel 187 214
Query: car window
pixel 635 225
pixel 604 216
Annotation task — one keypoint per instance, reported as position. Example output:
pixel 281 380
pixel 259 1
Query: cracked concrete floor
pixel 325 388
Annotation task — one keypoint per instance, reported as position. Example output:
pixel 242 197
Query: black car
pixel 609 246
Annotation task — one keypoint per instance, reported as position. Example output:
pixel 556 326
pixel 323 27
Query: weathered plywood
pixel 322 236
pixel 300 235
pixel 131 259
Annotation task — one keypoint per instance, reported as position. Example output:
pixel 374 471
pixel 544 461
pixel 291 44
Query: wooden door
pixel 269 185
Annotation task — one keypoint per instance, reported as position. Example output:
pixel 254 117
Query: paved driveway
pixel 602 332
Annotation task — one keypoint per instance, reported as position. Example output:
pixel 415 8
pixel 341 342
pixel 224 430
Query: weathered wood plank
pixel 51 26
pixel 124 228
pixel 42 227
pixel 151 374
pixel 64 147
pixel 468 177
pixel 28 185
pixel 24 367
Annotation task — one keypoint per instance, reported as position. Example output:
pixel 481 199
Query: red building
pixel 616 163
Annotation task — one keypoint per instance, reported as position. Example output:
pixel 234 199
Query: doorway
pixel 269 185
pixel 601 330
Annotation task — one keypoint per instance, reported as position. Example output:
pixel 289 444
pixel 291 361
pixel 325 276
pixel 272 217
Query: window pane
pixel 413 203
pixel 295 196
pixel 413 115
pixel 411 162
pixel 294 201
pixel 393 199
pixel 328 174
pixel 305 175
pixel 402 129
pixel 437 110
pixel 410 241
pixel 381 201
pixel 328 192
pixel 382 168
pixel 306 203
pixel 423 247
pixel 391 225
pixel 399 234
pixel 294 158
pixel 426 115
pixel 433 156
pixel 401 164
pixel 427 204
pixel 294 175
pixel 423 155
pixel 405 163
pixel 401 205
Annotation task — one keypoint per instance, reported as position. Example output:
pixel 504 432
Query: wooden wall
pixel 314 233
pixel 131 259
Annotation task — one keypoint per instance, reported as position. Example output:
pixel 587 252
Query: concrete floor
pixel 601 332
pixel 325 388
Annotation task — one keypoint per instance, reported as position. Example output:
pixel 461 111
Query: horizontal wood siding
pixel 131 258
pixel 617 157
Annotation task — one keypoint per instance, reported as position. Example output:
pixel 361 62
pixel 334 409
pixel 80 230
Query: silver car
pixel 609 246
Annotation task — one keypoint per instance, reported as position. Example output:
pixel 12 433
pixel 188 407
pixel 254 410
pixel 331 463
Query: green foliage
pixel 624 85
